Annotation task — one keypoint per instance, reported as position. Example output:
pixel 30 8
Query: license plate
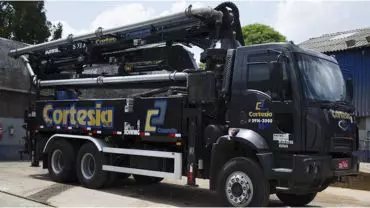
pixel 343 164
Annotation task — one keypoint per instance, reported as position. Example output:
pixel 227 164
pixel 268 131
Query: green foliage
pixel 29 23
pixel 6 18
pixel 259 33
pixel 25 21
pixel 57 31
pixel 202 65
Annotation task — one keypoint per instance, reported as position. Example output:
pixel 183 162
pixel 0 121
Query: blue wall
pixel 358 63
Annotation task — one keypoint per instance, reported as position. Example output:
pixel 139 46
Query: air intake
pixel 368 39
pixel 350 43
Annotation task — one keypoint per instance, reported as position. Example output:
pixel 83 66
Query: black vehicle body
pixel 315 134
pixel 275 112
pixel 299 143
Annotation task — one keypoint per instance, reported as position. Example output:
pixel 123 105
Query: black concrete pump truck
pixel 258 120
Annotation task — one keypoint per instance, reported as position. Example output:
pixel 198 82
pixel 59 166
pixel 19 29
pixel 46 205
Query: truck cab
pixel 292 108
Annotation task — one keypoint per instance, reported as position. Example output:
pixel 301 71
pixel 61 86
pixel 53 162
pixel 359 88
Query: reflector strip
pixel 174 135
pixel 144 133
pixel 118 132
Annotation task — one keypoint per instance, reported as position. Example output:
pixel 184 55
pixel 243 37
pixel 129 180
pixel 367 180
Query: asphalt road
pixel 19 179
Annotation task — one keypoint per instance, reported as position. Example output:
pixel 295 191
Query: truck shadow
pixel 172 194
pixel 44 177
pixel 163 193
pixel 360 182
pixel 49 192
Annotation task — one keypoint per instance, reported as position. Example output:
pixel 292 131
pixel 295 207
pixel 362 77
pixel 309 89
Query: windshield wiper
pixel 345 104
pixel 326 104
pixel 341 102
pixel 333 104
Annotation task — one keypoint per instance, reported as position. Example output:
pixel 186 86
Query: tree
pixel 6 16
pixel 30 24
pixel 259 33
pixel 202 65
pixel 25 21
pixel 57 31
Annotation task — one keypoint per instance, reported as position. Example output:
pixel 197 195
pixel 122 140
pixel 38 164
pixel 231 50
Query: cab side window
pixel 258 77
pixel 258 74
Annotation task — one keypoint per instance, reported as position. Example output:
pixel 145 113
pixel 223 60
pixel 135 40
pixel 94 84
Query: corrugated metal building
pixel 14 99
pixel 352 50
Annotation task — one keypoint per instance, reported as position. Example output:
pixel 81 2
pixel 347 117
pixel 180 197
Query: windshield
pixel 323 80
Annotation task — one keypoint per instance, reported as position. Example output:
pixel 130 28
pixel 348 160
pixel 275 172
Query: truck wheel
pixel 147 179
pixel 61 161
pixel 89 167
pixel 296 200
pixel 242 183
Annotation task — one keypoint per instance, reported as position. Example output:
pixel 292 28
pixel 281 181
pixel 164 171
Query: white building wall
pixel 364 127
pixel 364 136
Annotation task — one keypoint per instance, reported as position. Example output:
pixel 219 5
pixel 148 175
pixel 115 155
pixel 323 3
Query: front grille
pixel 341 144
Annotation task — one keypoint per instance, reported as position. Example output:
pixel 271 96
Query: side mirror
pixel 276 78
pixel 349 86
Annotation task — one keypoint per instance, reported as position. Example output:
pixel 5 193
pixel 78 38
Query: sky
pixel 297 20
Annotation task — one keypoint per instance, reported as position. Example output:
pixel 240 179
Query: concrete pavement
pixel 34 183
pixel 7 200
pixel 365 167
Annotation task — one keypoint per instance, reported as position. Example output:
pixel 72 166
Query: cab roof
pixel 279 46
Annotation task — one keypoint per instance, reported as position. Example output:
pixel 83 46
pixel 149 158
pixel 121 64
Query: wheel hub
pixel 88 165
pixel 57 161
pixel 239 189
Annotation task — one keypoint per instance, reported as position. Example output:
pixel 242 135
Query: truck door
pixel 254 105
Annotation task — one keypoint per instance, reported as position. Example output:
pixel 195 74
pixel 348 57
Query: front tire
pixel 61 161
pixel 242 183
pixel 296 200
pixel 90 167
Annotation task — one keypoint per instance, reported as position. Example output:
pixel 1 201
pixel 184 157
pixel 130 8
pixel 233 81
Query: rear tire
pixel 61 161
pixel 296 200
pixel 242 183
pixel 146 179
pixel 90 167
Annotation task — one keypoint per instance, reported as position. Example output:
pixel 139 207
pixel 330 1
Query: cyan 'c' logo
pixel 343 124
pixel 156 116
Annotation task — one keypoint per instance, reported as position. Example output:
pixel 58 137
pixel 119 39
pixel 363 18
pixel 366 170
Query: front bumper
pixel 308 167
pixel 314 173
